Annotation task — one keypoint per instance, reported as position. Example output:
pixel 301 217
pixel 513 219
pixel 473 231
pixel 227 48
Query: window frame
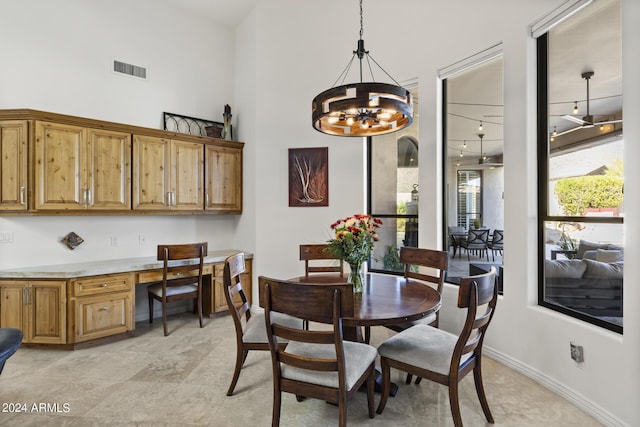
pixel 542 48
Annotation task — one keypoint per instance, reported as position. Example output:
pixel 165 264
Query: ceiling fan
pixel 485 160
pixel 587 121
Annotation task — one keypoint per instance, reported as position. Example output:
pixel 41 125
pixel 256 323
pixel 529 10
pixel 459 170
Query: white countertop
pixel 96 268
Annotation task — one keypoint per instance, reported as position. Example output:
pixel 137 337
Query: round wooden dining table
pixel 386 299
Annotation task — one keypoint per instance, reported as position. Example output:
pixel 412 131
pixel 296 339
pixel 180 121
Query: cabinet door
pixel 38 308
pixel 47 312
pixel 60 165
pixel 151 173
pixel 13 165
pixel 109 171
pixel 223 179
pixel 187 167
pixel 12 305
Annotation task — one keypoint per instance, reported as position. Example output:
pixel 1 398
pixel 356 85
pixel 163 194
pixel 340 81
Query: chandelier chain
pixel 361 21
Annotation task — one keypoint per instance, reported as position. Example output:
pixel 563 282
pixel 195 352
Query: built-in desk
pixel 67 304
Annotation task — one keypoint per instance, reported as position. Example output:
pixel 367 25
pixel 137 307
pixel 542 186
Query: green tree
pixel 577 194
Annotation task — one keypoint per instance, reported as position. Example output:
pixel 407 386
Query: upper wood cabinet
pixel 167 174
pixel 78 168
pixel 223 179
pixel 58 164
pixel 13 165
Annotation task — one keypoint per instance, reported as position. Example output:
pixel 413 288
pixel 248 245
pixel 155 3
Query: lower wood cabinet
pixel 38 308
pixel 101 306
pixel 214 299
pixel 77 310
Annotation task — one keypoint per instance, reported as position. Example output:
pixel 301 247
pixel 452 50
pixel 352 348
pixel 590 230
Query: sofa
pixel 589 281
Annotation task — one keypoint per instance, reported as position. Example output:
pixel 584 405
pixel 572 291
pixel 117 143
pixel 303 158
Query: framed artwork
pixel 309 176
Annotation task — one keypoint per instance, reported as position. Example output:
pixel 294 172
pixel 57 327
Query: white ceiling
pixel 227 12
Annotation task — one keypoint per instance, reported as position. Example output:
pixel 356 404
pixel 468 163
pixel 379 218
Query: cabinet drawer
pixel 102 284
pixel 156 275
pixel 103 315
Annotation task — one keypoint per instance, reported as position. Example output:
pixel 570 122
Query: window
pixel 393 194
pixel 474 176
pixel 581 164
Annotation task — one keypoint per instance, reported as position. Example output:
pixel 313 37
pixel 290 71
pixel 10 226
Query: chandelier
pixel 365 108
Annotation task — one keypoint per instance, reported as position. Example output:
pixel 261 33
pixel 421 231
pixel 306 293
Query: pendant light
pixel 364 108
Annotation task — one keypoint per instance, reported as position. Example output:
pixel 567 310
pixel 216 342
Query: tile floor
pixel 181 380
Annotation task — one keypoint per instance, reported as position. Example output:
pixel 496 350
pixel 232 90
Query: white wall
pixel 302 48
pixel 278 59
pixel 57 57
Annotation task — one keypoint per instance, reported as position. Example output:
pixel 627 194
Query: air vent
pixel 129 69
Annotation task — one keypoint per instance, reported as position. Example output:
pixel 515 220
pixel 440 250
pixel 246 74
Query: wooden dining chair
pixel 181 278
pixel 315 363
pixel 318 252
pixel 414 258
pixel 251 332
pixel 440 356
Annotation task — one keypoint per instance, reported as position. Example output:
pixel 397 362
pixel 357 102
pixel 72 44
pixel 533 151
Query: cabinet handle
pixel 104 285
pixel 206 200
pixel 168 198
pixel 104 309
pixel 26 296
pixel 22 195
pixel 173 198
pixel 84 197
pixel 89 198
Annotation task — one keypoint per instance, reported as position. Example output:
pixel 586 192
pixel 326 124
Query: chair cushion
pixel 172 290
pixel 423 346
pixel 256 330
pixel 357 358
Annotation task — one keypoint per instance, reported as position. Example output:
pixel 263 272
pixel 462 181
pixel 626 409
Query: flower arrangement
pixel 353 243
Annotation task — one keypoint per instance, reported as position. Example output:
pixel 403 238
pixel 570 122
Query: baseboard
pixel 588 406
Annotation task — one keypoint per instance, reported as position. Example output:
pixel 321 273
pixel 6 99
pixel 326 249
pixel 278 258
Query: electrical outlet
pixel 142 240
pixel 577 353
pixel 6 237
pixel 114 241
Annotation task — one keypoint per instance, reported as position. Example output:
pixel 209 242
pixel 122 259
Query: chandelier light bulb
pixel 575 108
pixel 555 132
pixel 480 127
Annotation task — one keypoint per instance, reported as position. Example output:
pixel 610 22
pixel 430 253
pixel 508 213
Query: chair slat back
pixel 475 291
pixel 175 273
pixel 430 258
pixel 317 252
pixel 234 294
pixel 315 303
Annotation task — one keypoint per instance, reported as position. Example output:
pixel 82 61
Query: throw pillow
pixel 590 255
pixel 602 270
pixel 606 255
pixel 586 245
pixel 569 268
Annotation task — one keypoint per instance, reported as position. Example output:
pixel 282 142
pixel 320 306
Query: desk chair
pixel 440 356
pixel 10 340
pixel 315 363
pixel 181 278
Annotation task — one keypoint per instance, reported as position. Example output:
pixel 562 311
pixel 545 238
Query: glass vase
pixel 356 278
